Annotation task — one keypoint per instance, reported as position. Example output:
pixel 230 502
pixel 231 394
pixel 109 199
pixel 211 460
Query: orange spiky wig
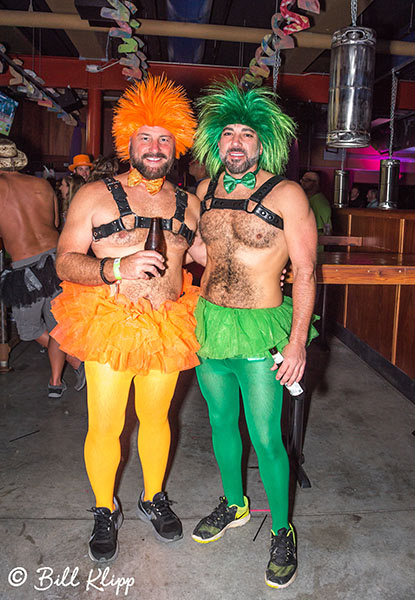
pixel 156 102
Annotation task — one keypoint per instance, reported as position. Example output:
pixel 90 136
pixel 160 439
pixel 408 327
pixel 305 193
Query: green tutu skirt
pixel 224 332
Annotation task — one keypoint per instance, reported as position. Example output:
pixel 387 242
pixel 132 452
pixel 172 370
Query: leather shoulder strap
pixel 119 195
pixel 265 188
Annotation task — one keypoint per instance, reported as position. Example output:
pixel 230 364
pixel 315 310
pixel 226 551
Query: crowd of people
pixel 118 313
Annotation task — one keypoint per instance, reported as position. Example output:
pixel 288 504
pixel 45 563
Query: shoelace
pixel 282 547
pixel 103 524
pixel 219 512
pixel 162 507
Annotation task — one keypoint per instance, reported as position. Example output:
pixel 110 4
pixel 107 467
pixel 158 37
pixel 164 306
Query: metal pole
pixel 226 33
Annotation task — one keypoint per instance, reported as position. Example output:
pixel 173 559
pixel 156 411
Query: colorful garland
pixel 135 61
pixel 32 87
pixel 279 39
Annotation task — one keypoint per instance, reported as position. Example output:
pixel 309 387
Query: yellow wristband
pixel 116 269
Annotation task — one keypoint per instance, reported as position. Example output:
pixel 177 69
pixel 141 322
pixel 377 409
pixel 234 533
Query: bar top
pixel 366 268
pixel 377 213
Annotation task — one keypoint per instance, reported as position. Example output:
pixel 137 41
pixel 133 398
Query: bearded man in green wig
pixel 252 221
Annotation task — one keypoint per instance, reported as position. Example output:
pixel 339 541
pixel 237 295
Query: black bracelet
pixel 101 271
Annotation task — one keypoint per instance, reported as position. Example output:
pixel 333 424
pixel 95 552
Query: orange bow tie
pixel 152 185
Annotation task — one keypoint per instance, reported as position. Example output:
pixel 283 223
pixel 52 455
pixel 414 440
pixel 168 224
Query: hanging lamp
pixel 351 85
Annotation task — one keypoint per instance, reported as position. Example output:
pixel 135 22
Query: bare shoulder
pixel 89 195
pixel 290 197
pixel 193 203
pixel 25 185
pixel 202 188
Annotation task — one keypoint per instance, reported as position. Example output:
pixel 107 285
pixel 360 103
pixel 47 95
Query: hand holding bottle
pixel 155 241
pixel 295 388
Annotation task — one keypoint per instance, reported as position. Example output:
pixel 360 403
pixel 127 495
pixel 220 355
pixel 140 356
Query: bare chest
pixel 134 232
pixel 239 228
pixel 136 237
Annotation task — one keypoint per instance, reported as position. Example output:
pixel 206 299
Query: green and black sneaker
pixel 213 526
pixel 282 567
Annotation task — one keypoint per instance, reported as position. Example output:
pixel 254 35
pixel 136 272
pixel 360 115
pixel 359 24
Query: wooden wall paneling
pixel 42 135
pixel 336 295
pixel 370 315
pixel 32 130
pixel 340 221
pixel 379 233
pixel 405 348
pixel 409 237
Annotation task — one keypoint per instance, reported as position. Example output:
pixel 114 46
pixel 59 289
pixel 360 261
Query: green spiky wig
pixel 226 104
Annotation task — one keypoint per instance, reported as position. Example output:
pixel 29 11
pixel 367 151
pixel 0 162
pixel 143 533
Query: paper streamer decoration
pixel 32 87
pixel 134 61
pixel 283 24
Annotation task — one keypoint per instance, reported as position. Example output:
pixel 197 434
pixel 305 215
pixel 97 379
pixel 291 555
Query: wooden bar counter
pixel 365 268
pixel 374 296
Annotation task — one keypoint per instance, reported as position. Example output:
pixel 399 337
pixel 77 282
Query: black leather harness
pixel 210 202
pixel 120 197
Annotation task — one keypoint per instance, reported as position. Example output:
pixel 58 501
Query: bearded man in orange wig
pixel 128 312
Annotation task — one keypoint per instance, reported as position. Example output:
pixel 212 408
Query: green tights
pixel 219 381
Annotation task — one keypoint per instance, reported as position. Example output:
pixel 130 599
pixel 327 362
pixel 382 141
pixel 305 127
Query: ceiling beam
pixel 18 18
pixel 86 42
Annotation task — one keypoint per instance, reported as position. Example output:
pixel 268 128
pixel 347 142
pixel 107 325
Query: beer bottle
pixel 155 240
pixel 295 388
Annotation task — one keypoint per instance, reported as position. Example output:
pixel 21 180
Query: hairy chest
pixel 137 237
pixel 133 235
pixel 239 228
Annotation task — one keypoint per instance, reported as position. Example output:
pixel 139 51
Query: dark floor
pixel 355 525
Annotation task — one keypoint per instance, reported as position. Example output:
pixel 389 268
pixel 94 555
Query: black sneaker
pixel 103 544
pixel 167 525
pixel 57 391
pixel 213 526
pixel 282 567
pixel 80 377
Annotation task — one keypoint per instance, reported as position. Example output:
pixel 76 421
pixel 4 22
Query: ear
pixel 261 148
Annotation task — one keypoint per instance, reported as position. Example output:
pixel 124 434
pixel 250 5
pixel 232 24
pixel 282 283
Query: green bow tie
pixel 248 180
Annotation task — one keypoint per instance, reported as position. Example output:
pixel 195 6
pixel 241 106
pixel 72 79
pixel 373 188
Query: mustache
pixel 154 155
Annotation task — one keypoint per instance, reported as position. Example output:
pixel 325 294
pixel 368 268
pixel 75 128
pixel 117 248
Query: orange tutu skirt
pixel 95 326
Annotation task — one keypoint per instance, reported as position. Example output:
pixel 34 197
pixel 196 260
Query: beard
pixel 149 172
pixel 236 168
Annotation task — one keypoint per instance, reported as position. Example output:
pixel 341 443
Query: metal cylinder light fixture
pixel 341 188
pixel 351 87
pixel 388 183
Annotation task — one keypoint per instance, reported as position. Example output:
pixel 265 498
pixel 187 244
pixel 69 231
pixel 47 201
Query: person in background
pixel 372 198
pixel 356 200
pixel 28 226
pixel 104 167
pixel 67 189
pixel 198 171
pixel 310 182
pixel 81 166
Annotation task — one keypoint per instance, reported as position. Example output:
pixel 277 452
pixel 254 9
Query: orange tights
pixel 107 401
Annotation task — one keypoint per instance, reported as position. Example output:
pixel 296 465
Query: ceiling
pixel 395 23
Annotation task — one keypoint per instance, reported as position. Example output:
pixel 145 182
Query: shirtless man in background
pixel 129 311
pixel 252 222
pixel 28 227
